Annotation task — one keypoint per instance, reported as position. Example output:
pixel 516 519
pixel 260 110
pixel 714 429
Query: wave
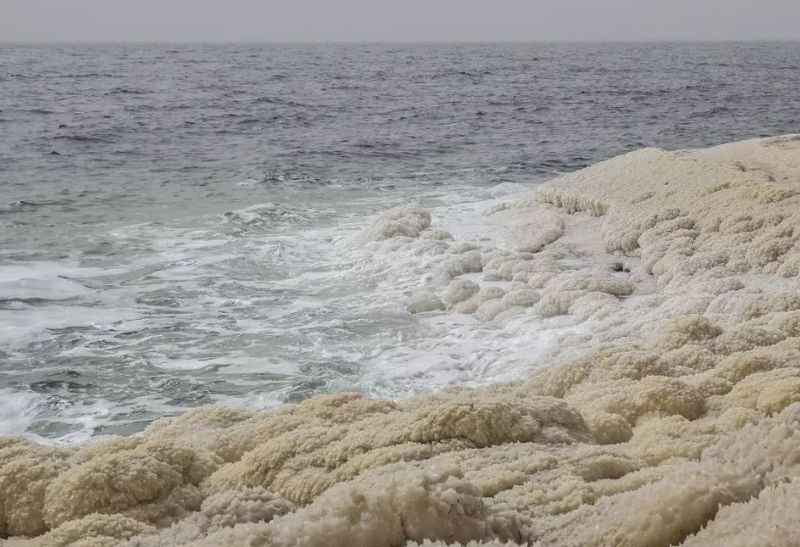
pixel 712 112
pixel 41 111
pixel 82 76
pixel 283 177
pixel 263 216
pixel 29 290
pixel 290 103
pixel 20 206
pixel 18 410
pixel 76 137
pixel 127 91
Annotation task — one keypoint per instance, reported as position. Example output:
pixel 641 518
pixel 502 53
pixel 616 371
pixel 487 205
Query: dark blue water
pixel 126 292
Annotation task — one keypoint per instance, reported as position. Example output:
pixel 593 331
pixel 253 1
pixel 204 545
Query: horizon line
pixel 393 42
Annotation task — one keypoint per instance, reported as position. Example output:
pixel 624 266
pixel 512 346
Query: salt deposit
pixel 671 418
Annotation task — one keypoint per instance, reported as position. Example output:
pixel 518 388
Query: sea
pixel 182 225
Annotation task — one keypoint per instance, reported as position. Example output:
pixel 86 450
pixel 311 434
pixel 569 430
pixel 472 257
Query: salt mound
pixel 673 419
pixel 401 222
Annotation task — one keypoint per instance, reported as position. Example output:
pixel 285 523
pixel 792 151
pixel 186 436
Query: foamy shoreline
pixel 668 418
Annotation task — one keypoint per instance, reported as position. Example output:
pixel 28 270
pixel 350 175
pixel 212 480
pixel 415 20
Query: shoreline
pixel 669 417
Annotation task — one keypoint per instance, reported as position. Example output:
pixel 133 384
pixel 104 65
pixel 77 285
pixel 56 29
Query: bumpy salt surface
pixel 675 421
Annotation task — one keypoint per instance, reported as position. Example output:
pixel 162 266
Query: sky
pixel 396 20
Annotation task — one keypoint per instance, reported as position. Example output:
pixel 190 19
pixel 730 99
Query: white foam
pixel 41 289
pixel 18 410
pixel 22 324
pixel 46 270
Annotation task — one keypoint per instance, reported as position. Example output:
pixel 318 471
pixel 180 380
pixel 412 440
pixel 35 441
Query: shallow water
pixel 180 225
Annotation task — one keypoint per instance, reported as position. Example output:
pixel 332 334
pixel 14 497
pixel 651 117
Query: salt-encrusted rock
pixel 469 262
pixel 484 295
pixel 425 301
pixel 543 230
pixel 521 297
pixel 461 247
pixel 460 290
pixel 490 309
pixel 403 221
pixel 438 235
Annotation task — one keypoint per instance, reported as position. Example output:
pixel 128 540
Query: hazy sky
pixel 397 20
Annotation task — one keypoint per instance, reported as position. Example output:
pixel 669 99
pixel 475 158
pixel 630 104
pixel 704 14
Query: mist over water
pixel 181 225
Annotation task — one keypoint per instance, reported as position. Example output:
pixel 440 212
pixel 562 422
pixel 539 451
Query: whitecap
pixel 18 410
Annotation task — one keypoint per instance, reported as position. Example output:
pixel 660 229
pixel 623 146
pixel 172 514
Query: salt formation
pixel 402 221
pixel 671 417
